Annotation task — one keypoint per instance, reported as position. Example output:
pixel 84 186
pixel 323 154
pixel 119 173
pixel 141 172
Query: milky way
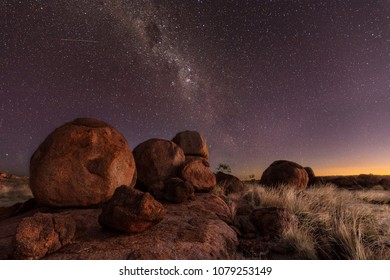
pixel 306 81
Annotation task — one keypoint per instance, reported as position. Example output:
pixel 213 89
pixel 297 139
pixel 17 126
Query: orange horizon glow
pixel 338 171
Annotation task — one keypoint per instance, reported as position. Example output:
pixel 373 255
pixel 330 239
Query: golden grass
pixel 333 223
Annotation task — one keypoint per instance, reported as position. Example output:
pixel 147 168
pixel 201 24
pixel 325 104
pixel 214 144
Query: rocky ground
pixel 197 229
pixel 95 198
pixel 204 227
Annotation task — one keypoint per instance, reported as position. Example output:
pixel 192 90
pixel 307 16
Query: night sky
pixel 307 81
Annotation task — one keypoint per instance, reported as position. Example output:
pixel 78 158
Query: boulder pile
pixel 173 170
pixel 95 198
pixel 87 164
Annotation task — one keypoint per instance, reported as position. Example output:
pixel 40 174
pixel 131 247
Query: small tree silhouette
pixel 225 168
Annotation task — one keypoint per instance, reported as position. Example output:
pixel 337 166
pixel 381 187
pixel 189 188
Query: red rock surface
pixel 199 175
pixel 176 190
pixel 81 164
pixel 193 143
pixel 195 229
pixel 130 210
pixel 42 234
pixel 157 160
pixel 283 172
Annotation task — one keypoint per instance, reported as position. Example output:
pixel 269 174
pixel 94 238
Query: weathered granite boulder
pixel 131 211
pixel 157 160
pixel 283 172
pixel 193 143
pixel 81 164
pixel 199 175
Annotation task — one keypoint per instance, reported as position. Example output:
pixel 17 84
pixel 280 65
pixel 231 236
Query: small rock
pixel 131 211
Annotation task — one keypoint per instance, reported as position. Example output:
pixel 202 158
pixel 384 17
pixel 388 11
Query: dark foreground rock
pixel 229 183
pixel 196 229
pixel 17 209
pixel 42 234
pixel 176 190
pixel 271 222
pixel 131 210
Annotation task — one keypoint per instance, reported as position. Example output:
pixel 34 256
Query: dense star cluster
pixel 306 81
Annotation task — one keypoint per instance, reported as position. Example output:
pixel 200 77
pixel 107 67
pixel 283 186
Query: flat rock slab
pixel 195 229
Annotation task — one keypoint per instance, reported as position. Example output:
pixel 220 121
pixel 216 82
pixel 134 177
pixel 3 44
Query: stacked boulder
pixel 193 144
pixel 196 168
pixel 173 170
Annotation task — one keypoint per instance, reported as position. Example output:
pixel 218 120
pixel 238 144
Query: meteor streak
pixel 80 40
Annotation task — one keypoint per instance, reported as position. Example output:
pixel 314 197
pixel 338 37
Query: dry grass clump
pixel 333 223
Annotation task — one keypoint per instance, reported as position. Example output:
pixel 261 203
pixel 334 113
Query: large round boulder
pixel 193 143
pixel 283 172
pixel 157 160
pixel 81 164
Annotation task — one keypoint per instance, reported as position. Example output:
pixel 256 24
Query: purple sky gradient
pixel 307 81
